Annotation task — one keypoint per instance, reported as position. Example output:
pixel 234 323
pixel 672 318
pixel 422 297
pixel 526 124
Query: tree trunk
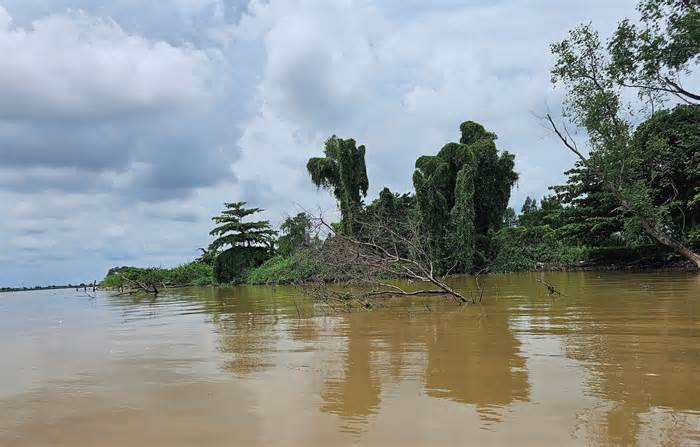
pixel 672 243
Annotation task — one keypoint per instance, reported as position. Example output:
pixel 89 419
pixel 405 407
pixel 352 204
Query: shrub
pixel 232 265
pixel 285 270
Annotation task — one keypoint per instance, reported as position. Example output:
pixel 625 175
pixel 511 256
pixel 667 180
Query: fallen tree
pixel 367 261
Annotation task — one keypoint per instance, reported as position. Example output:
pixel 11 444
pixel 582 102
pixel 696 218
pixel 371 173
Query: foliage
pixel 250 243
pixel 393 206
pixel 527 248
pixel 666 158
pixel 590 214
pixel 656 53
pixel 292 269
pixel 208 256
pixel 462 194
pixel 649 62
pixel 296 234
pixel 233 232
pixel 343 172
pixel 232 265
pixel 192 273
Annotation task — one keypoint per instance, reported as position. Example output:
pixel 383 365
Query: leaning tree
pixel 652 59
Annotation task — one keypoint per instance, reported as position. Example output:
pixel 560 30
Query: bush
pixel 232 265
pixel 192 273
pixel 523 248
pixel 195 273
pixel 284 270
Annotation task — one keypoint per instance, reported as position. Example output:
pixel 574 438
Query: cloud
pixel 88 106
pixel 75 67
pixel 400 79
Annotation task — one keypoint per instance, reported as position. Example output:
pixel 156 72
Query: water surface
pixel 614 361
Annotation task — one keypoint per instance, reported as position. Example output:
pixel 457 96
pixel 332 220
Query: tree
pixel 510 219
pixel 666 152
pixel 296 233
pixel 495 177
pixel 462 194
pixel 595 83
pixel 343 172
pixel 232 231
pixel 393 206
pixel 591 215
pixel 444 186
pixel 654 55
pixel 250 243
pixel 528 213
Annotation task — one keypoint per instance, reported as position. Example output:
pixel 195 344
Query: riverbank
pixel 302 267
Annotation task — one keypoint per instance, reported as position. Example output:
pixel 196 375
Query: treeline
pixel 633 196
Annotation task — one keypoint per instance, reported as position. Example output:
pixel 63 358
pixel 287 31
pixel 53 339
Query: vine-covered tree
pixel 393 207
pixel 596 77
pixel 493 183
pixel 462 194
pixel 343 172
pixel 249 243
pixel 440 212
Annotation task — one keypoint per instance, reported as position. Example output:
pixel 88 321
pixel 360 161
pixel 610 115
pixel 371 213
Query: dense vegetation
pixel 632 198
pixel 193 273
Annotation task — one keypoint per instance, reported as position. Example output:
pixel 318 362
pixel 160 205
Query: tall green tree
pixel 246 244
pixel 343 172
pixel 444 186
pixel 591 215
pixel 493 183
pixel 233 232
pixel 462 194
pixel 596 78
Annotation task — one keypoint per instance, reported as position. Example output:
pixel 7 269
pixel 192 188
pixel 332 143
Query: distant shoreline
pixel 29 289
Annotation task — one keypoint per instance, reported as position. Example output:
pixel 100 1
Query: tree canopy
pixel 343 172
pixel 249 243
pixel 295 234
pixel 462 194
pixel 233 232
pixel 649 61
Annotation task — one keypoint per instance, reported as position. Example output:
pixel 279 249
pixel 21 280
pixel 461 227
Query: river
pixel 615 360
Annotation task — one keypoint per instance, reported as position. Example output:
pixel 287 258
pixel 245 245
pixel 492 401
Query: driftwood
pixel 551 290
pixel 137 286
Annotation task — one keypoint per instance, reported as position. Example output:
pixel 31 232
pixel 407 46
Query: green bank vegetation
pixel 631 198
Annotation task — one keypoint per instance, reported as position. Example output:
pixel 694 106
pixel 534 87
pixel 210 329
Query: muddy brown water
pixel 614 361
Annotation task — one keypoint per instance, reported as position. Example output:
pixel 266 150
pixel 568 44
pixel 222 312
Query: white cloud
pixel 74 66
pixel 401 81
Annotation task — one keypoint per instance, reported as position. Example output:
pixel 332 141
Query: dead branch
pixel 551 290
pixel 138 285
pixel 378 252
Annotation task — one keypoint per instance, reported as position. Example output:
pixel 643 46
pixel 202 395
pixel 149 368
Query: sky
pixel 125 124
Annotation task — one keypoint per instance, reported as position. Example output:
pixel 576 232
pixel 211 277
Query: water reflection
pixel 641 368
pixel 355 394
pixel 476 362
pixel 640 343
